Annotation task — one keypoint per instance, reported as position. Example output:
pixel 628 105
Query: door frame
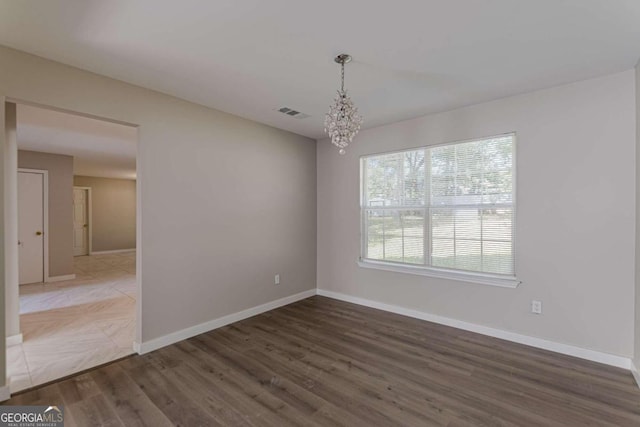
pixel 9 203
pixel 89 215
pixel 45 217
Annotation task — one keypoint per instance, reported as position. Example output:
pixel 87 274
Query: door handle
pixel 38 233
pixel 86 225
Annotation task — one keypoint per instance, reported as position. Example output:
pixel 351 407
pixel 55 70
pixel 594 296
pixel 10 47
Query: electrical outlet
pixel 536 307
pixel 277 279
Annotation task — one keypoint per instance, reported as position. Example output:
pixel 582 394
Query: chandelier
pixel 342 122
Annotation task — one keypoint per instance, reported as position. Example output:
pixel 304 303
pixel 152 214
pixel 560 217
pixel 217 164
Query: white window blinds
pixel 449 206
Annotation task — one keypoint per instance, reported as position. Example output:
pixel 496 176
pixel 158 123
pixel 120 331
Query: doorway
pixel 74 298
pixel 32 221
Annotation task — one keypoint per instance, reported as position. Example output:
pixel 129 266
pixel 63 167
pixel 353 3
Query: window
pixel 445 207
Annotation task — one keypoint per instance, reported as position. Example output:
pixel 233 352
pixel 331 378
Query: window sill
pixel 462 276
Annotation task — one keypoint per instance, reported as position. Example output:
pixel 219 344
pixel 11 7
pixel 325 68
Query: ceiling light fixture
pixel 342 122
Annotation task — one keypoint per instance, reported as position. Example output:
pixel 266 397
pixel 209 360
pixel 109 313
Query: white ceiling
pixel 99 148
pixel 411 57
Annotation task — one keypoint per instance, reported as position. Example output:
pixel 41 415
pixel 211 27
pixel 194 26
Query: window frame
pixel 495 279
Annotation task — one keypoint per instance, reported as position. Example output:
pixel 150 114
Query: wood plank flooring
pixel 330 363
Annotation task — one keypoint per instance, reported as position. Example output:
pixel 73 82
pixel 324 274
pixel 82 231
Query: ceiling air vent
pixel 293 113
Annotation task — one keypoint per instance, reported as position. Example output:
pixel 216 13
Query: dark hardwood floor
pixel 330 363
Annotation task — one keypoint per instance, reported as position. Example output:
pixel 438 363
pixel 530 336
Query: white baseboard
pixel 5 393
pixel 52 279
pixel 636 374
pixel 14 340
pixel 116 251
pixel 582 353
pixel 154 344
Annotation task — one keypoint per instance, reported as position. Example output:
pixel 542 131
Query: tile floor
pixel 76 324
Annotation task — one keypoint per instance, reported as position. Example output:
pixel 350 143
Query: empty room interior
pixel 347 213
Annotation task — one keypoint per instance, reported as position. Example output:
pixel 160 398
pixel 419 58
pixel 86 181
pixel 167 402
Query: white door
pixel 80 222
pixel 30 227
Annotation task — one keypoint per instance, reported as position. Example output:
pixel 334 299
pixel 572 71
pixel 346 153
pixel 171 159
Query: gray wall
pixel 225 203
pixel 60 169
pixel 113 212
pixel 575 215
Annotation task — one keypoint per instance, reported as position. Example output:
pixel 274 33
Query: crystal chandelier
pixel 342 122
